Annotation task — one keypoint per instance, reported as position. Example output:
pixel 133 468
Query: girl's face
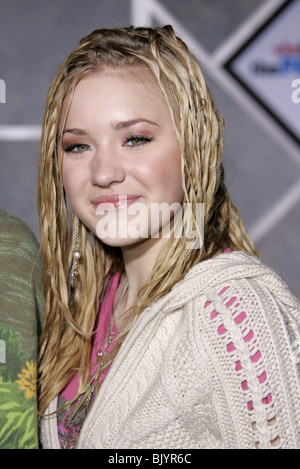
pixel 121 157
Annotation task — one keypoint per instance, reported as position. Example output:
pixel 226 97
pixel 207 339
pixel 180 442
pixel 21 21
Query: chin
pixel 119 242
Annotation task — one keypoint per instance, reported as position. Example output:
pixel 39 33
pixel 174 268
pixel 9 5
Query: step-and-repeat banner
pixel 268 66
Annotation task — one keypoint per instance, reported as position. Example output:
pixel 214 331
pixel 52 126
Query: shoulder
pixel 15 231
pixel 249 324
pixel 19 248
pixel 230 279
pixel 20 258
pixel 242 325
pixel 242 272
pixel 244 299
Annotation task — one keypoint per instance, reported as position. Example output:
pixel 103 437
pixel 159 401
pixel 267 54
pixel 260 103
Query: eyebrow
pixel 116 125
pixel 75 131
pixel 129 123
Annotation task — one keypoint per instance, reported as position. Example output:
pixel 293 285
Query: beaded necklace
pixel 85 399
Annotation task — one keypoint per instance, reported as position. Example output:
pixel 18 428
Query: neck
pixel 139 260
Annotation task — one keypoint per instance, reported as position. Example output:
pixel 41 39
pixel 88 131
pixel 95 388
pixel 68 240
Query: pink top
pixel 68 433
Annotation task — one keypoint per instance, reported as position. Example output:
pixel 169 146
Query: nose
pixel 107 169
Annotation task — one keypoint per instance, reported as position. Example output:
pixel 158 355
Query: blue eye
pixel 77 148
pixel 137 140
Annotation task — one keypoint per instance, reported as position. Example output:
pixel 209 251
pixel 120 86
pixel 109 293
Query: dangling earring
pixel 76 252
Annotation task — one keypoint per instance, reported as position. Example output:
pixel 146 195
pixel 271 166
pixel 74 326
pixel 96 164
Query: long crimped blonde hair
pixel 69 322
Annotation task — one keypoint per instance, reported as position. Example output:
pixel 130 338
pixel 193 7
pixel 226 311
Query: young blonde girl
pixel 206 353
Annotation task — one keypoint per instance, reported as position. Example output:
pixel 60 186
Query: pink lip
pixel 109 202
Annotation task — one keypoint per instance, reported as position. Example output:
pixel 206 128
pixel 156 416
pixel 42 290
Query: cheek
pixel 67 180
pixel 72 179
pixel 170 177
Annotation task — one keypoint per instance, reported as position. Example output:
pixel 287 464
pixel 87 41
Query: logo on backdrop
pixel 285 60
pixel 268 66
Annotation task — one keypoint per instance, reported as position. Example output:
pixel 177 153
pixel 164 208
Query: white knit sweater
pixel 213 364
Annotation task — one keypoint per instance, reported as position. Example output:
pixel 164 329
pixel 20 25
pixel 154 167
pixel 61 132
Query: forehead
pixel 118 85
pixel 136 75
